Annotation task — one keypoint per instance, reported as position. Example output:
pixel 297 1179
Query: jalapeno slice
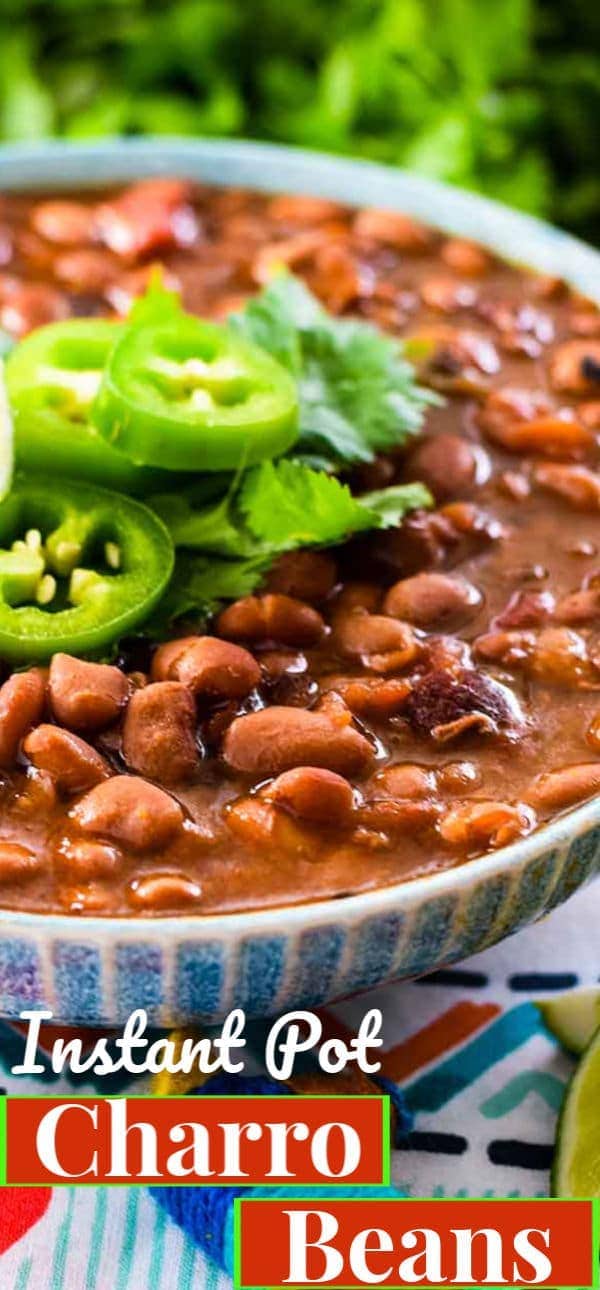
pixel 52 377
pixel 79 567
pixel 186 394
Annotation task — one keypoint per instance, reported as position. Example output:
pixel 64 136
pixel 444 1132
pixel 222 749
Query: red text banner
pixel 347 1243
pixel 212 1140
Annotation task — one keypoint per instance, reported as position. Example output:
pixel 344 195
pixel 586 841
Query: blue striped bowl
pixel 95 971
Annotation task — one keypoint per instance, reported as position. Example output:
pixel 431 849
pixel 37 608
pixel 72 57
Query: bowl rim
pixel 272 168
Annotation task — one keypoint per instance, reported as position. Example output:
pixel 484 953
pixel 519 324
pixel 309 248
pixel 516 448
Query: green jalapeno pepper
pixel 189 395
pixel 79 567
pixel 52 378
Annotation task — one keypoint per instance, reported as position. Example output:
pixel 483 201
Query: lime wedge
pixel 6 438
pixel 573 1017
pixel 576 1169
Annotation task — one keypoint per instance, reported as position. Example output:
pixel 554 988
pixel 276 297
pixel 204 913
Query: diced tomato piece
pixel 152 214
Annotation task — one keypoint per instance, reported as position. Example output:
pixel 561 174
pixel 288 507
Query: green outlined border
pixel 594 1202
pixel 296 1098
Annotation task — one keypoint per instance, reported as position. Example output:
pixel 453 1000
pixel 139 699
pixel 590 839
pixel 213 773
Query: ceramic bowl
pixel 95 971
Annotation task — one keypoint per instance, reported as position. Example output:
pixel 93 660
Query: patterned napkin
pixel 467 1047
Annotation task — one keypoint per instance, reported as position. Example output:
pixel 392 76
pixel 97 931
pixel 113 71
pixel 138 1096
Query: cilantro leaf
pixel 357 392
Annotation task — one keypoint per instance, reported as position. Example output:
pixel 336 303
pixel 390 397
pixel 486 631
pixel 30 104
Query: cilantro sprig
pixel 358 395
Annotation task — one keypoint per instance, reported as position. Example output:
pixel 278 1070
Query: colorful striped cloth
pixel 482 1077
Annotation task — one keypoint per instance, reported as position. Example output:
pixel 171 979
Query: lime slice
pixel 576 1169
pixel 6 438
pixel 573 1017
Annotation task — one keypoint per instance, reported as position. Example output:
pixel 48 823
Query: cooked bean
pixel 550 435
pixel 66 223
pixel 593 733
pixel 271 617
pixel 387 816
pixel 577 484
pixel 371 696
pixel 86 271
pixel 17 863
pixel 557 789
pixel 446 294
pixel 448 465
pixel 589 413
pixel 318 796
pixel 37 794
pixel 382 644
pixel 276 739
pixel 492 824
pixel 394 229
pixel 339 278
pixel 304 575
pixel 88 860
pixel 31 304
pixel 86 696
pixel 300 208
pixel 358 595
pixel 208 666
pixel 73 765
pixel 560 657
pixel 581 606
pixel 456 776
pixel 131 811
pixel 260 824
pixel 291 252
pixel 430 598
pixel 85 898
pixel 22 700
pixel 404 780
pixel 465 257
pixel 163 891
pixel 159 732
pixel 575 367
pixel 510 647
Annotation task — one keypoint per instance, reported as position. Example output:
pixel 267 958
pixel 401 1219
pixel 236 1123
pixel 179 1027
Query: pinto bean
pixel 86 270
pixel 315 795
pixel 448 464
pixel 405 780
pixel 304 575
pixel 208 666
pixel 510 648
pixel 557 789
pixel 163 891
pixel 576 484
pixel 382 644
pixel 560 658
pixel 277 739
pixel 17 863
pixel 22 700
pixel 393 229
pixel 551 435
pixel 86 696
pixel 589 413
pixel 259 823
pixel 271 617
pixel 65 223
pixel 593 733
pixel 387 816
pixel 371 696
pixel 300 208
pixel 495 824
pixel 73 765
pixel 466 257
pixel 291 252
pixel 358 595
pixel 88 860
pixel 446 294
pixel 430 598
pixel 31 304
pixel 130 811
pixel 339 278
pixel 575 367
pixel 159 732
pixel 581 606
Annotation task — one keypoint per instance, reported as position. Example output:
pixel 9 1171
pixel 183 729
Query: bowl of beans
pixel 299 577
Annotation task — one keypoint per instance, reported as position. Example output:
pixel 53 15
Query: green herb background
pixel 497 95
